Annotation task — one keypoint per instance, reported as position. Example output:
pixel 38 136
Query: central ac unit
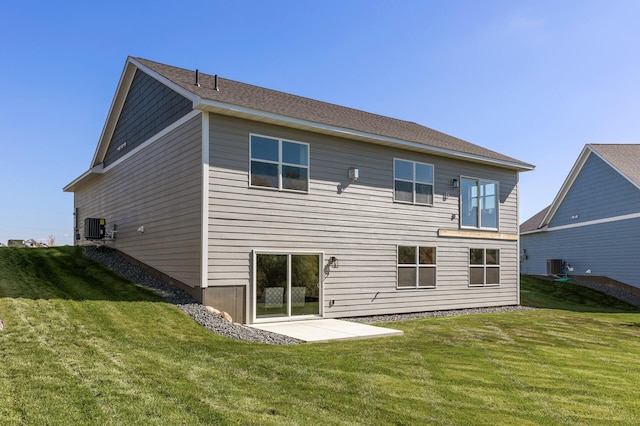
pixel 94 229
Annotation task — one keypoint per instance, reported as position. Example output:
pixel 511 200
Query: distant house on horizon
pixel 276 207
pixel 593 224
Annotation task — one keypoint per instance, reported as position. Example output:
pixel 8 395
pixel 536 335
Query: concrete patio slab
pixel 324 330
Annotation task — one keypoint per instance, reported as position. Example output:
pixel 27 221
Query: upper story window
pixel 413 182
pixel 279 164
pixel 478 203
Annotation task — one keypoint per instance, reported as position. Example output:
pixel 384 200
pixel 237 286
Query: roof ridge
pixel 291 94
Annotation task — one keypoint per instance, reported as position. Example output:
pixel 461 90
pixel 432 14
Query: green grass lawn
pixel 82 346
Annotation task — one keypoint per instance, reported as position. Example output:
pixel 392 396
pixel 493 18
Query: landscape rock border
pixel 213 321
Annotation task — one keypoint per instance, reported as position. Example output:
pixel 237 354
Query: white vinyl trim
pixel 204 209
pixel 187 94
pixel 114 113
pixel 587 223
pixel 154 138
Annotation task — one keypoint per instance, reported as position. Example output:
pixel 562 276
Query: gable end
pixel 149 107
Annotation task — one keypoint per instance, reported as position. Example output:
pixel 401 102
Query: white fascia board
pixel 162 79
pixel 564 189
pixel 100 169
pixel 114 113
pixel 587 223
pixel 535 231
pixel 221 107
pixel 96 170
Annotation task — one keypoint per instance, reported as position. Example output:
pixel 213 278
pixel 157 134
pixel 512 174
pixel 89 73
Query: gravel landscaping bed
pixel 111 259
pixel 437 314
pixel 215 323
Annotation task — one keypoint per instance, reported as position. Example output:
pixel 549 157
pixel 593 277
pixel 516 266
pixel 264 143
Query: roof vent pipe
pixel 197 78
pixel 215 82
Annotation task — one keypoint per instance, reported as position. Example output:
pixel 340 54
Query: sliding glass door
pixel 286 285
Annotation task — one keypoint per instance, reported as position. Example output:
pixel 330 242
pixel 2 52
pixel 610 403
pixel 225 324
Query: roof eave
pixel 86 176
pixel 263 116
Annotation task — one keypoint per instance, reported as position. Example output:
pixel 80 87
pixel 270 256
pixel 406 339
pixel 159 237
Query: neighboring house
pixel 593 225
pixel 272 206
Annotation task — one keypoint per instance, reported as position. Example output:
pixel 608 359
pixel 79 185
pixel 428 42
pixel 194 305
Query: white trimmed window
pixel 416 267
pixel 279 164
pixel 412 182
pixel 484 267
pixel 478 203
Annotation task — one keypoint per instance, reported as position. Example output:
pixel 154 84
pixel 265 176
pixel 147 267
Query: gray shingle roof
pixel 534 222
pixel 301 108
pixel 624 157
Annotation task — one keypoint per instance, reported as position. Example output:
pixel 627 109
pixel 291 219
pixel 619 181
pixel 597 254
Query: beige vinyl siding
pixel 159 188
pixel 359 224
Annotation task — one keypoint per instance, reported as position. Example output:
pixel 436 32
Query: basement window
pixel 416 267
pixel 484 267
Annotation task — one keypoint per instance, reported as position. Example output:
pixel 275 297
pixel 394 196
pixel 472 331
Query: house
pixel 272 206
pixel 593 224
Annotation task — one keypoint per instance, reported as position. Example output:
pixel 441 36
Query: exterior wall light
pixel 354 174
pixel 333 262
pixel 455 183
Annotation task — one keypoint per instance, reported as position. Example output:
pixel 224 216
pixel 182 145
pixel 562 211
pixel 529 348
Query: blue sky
pixel 535 80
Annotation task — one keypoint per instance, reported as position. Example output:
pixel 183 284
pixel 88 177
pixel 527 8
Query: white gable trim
pixel 182 91
pixel 564 189
pixel 118 102
pixel 583 224
pixel 153 139
pixel 99 168
pixel 114 112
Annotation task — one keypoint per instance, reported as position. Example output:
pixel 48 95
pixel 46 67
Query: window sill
pixel 409 203
pixel 272 189
pixel 483 285
pixel 477 234
pixel 415 288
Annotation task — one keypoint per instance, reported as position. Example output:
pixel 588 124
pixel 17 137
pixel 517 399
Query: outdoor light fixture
pixel 333 262
pixel 455 183
pixel 354 174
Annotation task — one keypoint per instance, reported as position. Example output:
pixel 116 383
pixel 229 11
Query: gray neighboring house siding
pixel 594 224
pixel 186 180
